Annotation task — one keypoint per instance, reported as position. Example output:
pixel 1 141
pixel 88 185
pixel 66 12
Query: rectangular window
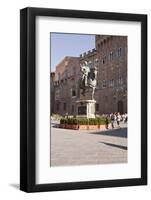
pixel 64 106
pixel 73 93
pixel 111 56
pixel 104 60
pixel 119 52
pixel 104 84
pixel 109 83
pixel 120 80
pixel 112 83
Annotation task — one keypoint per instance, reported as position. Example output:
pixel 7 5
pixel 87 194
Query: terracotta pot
pixel 102 127
pixel 83 127
pixel 76 127
pixel 92 127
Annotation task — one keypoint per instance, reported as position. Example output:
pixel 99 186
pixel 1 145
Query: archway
pixel 120 107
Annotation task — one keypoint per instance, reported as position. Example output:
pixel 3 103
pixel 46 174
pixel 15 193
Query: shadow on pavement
pixel 115 145
pixel 14 185
pixel 122 132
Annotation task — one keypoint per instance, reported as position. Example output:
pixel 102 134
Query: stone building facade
pixel 111 91
pixel 52 92
pixel 66 86
pixel 111 94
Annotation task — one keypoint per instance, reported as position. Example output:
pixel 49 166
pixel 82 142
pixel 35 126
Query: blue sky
pixel 63 44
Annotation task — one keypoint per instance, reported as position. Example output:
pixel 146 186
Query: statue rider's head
pixel 86 62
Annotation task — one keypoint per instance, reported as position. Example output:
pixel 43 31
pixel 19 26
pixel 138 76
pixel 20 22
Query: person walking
pixel 112 120
pixel 107 122
pixel 125 117
pixel 118 119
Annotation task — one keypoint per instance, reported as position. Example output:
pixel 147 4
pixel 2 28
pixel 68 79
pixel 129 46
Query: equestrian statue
pixel 88 77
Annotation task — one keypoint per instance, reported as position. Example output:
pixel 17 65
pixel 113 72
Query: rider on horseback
pixel 85 71
pixel 88 79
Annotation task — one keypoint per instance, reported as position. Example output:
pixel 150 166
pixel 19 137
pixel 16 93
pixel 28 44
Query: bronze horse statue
pixel 88 78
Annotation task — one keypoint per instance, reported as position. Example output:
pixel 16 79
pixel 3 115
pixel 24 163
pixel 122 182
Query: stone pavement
pixel 74 147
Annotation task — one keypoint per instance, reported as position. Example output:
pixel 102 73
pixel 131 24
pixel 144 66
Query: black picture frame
pixel 28 98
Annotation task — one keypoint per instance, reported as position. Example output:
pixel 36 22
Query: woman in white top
pixel 118 119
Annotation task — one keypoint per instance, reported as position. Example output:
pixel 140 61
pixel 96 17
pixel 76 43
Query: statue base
pixel 85 108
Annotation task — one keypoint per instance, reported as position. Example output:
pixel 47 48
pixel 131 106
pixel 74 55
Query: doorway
pixel 120 107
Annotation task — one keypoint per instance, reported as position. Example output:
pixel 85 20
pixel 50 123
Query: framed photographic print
pixel 83 99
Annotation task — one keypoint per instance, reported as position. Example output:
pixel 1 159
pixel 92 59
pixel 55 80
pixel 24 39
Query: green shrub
pixel 75 121
pixel 84 121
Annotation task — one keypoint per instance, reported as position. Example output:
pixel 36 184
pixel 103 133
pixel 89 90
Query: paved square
pixel 74 147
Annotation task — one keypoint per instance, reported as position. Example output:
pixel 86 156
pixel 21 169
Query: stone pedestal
pixel 85 108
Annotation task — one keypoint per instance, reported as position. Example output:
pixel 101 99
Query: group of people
pixel 117 118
